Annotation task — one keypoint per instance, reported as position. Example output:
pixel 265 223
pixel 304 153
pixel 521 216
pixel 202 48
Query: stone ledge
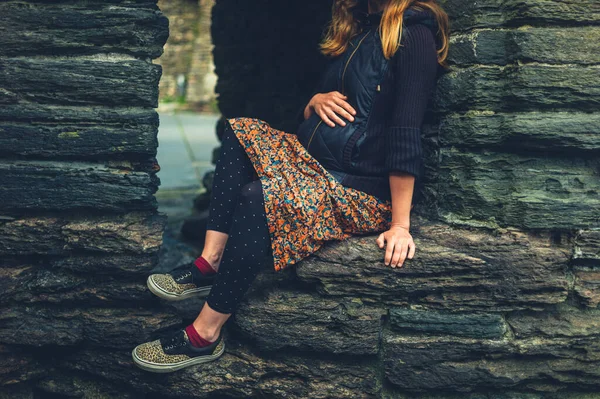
pixel 70 29
pixel 527 87
pixel 525 190
pixel 428 322
pixel 133 233
pixel 240 372
pixel 61 186
pixel 99 327
pixel 561 133
pixel 106 80
pixel 529 44
pixel 453 268
pixel 305 321
pixel 467 14
pixel 30 284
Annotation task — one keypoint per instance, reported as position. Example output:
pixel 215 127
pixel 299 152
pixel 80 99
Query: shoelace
pixel 181 275
pixel 175 342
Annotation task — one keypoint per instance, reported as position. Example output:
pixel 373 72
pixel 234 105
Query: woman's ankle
pixel 208 333
pixel 213 259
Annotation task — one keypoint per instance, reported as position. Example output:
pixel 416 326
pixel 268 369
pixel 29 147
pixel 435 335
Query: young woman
pixel 350 168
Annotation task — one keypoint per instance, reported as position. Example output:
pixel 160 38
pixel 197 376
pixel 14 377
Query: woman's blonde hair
pixel 343 26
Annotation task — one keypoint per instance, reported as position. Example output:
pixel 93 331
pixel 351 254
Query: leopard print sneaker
pixel 174 353
pixel 181 283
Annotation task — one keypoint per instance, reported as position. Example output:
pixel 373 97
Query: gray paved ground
pixel 186 142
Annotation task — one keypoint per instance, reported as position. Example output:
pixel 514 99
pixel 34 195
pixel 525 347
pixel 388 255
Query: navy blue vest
pixel 357 73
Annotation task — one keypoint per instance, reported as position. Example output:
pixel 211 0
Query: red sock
pixel 204 267
pixel 195 338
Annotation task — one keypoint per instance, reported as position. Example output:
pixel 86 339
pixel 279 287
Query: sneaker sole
pixel 169 296
pixel 169 368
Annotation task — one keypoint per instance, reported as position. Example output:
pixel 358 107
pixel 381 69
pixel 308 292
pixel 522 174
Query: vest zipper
pixel 313 134
pixel 343 74
pixel 350 58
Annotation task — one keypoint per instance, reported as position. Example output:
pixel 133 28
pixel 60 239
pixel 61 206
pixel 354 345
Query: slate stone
pixel 564 45
pixel 17 366
pixel 83 140
pixel 525 191
pixel 116 80
pixel 520 88
pixel 416 364
pixel 561 321
pixel 63 28
pixel 288 319
pixel 492 13
pixel 474 325
pixel 107 264
pixel 456 269
pixel 70 385
pixel 560 133
pixel 502 296
pixel 133 233
pixel 64 326
pixel 28 284
pixel 586 267
pixel 240 372
pixel 61 186
pixel 587 285
pixel 587 247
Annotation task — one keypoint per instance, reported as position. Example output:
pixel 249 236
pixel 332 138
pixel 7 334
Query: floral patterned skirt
pixel 305 205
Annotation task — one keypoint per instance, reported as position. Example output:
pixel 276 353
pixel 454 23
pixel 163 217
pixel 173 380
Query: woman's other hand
pixel 399 244
pixel 330 107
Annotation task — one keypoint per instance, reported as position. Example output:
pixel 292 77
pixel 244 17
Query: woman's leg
pixel 248 247
pixel 233 170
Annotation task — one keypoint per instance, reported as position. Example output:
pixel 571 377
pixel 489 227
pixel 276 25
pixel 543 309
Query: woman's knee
pixel 228 133
pixel 252 192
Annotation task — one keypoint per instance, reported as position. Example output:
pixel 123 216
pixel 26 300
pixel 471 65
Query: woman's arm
pixel 415 68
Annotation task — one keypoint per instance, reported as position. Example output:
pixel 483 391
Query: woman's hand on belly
pixel 331 107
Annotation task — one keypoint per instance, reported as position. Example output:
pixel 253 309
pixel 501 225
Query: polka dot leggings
pixel 237 209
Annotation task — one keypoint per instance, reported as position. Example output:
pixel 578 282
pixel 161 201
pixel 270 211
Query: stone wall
pixel 501 300
pixel 79 228
pixel 188 54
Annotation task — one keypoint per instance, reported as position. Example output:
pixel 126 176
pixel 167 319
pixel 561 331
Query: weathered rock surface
pixel 587 247
pixel 560 133
pixel 17 365
pixel 491 13
pixel 311 323
pixel 124 134
pixel 454 268
pixel 558 349
pixel 78 225
pixel 527 191
pixel 84 80
pixel 474 325
pixel 240 372
pixel 579 45
pixel 103 327
pixel 132 233
pixel 60 186
pixel 463 365
pixel 63 28
pixel 526 87
pixel 29 284
pixel 586 267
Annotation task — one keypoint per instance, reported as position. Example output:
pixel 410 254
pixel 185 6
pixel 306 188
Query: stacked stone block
pixel 79 228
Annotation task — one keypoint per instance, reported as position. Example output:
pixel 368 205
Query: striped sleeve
pixel 415 68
